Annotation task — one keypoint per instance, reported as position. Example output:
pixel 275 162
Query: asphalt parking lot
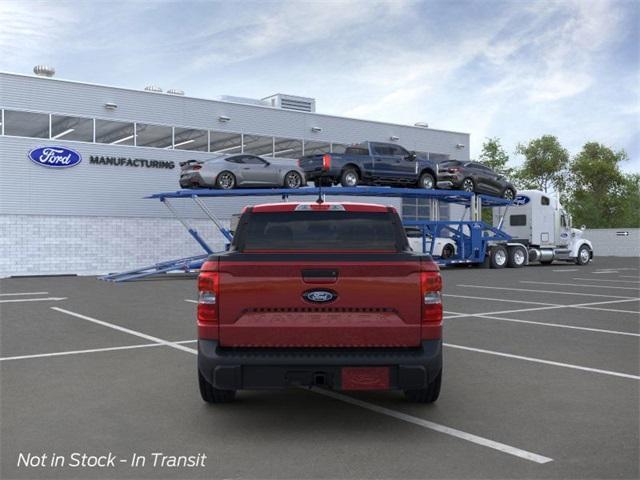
pixel 541 380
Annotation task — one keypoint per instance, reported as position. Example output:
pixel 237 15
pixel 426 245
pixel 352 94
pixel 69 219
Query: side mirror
pixel 412 156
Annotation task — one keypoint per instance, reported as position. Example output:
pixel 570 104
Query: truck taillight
pixel 208 296
pixel 196 167
pixel 326 162
pixel 431 303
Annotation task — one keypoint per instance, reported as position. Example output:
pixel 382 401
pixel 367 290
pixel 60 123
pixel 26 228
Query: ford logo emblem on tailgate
pixel 319 296
pixel 55 157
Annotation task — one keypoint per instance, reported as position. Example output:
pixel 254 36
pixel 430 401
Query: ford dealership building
pixel 77 160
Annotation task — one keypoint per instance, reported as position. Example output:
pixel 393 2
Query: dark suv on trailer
pixel 474 177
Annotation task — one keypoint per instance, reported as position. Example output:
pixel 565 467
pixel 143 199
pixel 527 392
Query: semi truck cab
pixel 538 221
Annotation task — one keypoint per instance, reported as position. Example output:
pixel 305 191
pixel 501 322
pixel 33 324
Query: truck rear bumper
pixel 265 368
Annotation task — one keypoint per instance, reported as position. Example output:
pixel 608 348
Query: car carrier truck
pixel 538 223
pixel 533 228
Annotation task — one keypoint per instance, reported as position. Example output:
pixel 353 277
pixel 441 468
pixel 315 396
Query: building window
pixel 71 128
pixel 420 209
pixel 258 145
pixel 26 124
pixel 287 148
pixel 225 142
pixel 190 139
pixel 415 209
pixel 157 136
pixel 114 133
pixel 315 148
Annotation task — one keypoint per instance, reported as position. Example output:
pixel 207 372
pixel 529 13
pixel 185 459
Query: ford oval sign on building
pixel 55 157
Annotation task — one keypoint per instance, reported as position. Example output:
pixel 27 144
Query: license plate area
pixel 365 378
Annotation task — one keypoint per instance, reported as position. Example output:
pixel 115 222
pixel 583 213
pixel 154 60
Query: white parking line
pixel 604 280
pixel 581 285
pixel 469 437
pixel 408 418
pixel 190 301
pixel 546 362
pixel 23 293
pixel 20 300
pixel 530 290
pixel 546 324
pixel 500 300
pixel 92 350
pixel 552 306
pixel 628 276
pixel 126 330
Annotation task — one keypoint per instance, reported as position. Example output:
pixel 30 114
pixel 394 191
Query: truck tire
pixel 426 395
pixel 213 395
pixel 499 257
pixel 517 257
pixel 584 255
pixel 427 181
pixel 349 178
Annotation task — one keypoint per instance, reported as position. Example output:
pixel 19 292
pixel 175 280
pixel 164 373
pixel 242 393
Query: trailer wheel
pixel 584 255
pixel 426 395
pixel 499 257
pixel 517 257
pixel 210 394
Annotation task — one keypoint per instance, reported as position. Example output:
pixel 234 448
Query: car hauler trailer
pixel 450 242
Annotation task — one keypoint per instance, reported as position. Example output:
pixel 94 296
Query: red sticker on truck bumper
pixel 365 378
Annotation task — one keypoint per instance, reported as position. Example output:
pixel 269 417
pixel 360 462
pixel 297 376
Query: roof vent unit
pixel 153 88
pixel 175 91
pixel 44 71
pixel 291 102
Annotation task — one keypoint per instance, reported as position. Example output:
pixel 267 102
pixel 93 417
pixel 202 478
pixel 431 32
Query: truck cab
pixel 538 221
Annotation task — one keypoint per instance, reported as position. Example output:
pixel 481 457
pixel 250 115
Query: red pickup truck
pixel 320 294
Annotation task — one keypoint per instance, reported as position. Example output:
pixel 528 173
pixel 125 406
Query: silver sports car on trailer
pixel 241 170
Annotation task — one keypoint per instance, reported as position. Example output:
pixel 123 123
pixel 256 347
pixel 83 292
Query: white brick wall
pixel 607 242
pixel 46 245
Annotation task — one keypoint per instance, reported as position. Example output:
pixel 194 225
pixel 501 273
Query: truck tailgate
pixel 263 304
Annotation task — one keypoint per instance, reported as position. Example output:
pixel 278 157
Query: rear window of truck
pixel 356 151
pixel 326 231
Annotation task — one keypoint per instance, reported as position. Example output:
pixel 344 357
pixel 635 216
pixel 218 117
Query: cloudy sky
pixel 514 69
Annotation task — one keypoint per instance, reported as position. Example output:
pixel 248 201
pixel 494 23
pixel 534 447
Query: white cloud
pixel 32 29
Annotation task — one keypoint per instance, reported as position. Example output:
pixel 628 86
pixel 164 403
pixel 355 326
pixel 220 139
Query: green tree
pixel 494 156
pixel 545 164
pixel 600 195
